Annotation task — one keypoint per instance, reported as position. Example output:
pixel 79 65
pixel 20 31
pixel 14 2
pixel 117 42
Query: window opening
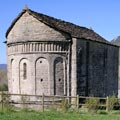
pixel 59 79
pixel 41 79
pixel 24 71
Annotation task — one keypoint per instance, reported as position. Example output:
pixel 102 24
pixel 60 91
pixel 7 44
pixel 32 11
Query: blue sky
pixel 103 16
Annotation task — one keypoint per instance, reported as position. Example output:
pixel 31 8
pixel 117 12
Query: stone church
pixel 49 56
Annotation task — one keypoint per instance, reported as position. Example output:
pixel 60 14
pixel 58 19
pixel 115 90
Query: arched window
pixel 24 71
pixel 58 76
pixel 42 76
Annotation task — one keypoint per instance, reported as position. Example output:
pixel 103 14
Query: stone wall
pixel 59 76
pixel 55 65
pixel 42 76
pixel 73 64
pixel 28 47
pixel 28 28
pixel 41 69
pixel 97 72
pixel 24 75
pixel 37 45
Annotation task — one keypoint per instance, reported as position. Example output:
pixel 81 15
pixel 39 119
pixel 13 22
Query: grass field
pixel 54 115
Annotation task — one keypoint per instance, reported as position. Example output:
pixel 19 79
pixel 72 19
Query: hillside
pixel 3 66
pixel 3 77
pixel 116 41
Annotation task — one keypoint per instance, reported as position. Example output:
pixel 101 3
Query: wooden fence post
pixel 77 101
pixel 107 103
pixel 54 101
pixel 43 102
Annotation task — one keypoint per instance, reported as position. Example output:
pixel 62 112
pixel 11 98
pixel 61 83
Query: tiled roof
pixel 72 29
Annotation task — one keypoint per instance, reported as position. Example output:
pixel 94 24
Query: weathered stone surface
pixel 44 60
pixel 97 69
pixel 40 32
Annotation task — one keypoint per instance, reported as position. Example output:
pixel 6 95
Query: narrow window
pixel 24 71
pixel 41 79
pixel 59 79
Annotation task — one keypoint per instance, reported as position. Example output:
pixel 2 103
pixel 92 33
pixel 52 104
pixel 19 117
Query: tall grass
pixel 92 104
pixel 56 115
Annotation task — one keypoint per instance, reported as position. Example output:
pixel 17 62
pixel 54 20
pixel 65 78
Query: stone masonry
pixel 53 57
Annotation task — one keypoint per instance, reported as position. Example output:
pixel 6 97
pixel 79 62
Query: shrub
pixel 3 87
pixel 92 104
pixel 102 112
pixel 65 105
pixel 111 100
pixel 6 106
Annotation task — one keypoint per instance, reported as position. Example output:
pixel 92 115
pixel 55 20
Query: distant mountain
pixel 3 66
pixel 116 41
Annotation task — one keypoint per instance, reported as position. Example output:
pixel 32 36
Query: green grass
pixel 55 115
